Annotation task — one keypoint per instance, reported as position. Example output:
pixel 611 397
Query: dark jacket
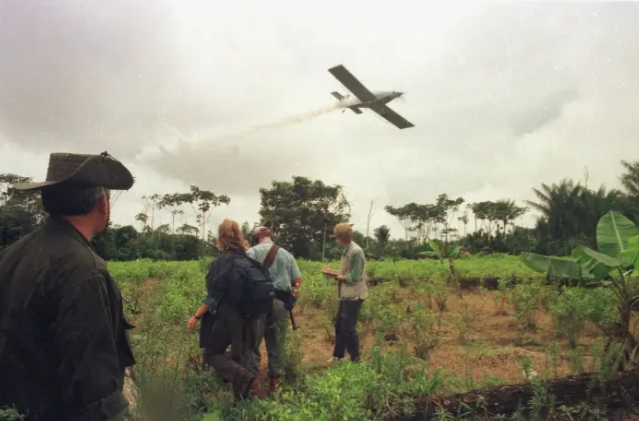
pixel 63 340
pixel 221 274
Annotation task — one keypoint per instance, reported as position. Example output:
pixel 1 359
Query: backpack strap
pixel 270 257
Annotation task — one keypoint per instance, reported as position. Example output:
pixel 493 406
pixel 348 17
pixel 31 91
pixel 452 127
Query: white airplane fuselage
pixel 381 98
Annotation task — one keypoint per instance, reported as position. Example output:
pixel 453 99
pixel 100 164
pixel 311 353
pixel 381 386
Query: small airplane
pixel 366 99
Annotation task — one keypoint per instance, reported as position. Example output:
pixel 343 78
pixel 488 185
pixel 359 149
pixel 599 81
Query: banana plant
pixel 439 249
pixel 615 264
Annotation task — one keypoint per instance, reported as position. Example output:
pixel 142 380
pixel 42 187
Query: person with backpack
pixel 239 291
pixel 287 279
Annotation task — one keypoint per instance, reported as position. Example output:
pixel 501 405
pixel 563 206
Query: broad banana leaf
pixel 598 264
pixel 455 253
pixel 436 248
pixel 613 232
pixel 556 266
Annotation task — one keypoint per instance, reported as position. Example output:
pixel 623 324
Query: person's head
pixel 78 186
pixel 261 234
pixel 343 234
pixel 87 208
pixel 229 236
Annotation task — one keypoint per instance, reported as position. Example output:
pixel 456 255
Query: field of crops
pixel 422 332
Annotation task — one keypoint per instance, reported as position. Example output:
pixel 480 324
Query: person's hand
pixel 192 323
pixel 127 372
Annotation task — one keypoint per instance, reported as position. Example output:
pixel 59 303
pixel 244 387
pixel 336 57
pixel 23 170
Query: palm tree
pixel 570 211
pixel 507 211
pixel 382 234
pixel 630 182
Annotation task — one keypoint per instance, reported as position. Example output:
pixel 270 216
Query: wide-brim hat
pixel 83 170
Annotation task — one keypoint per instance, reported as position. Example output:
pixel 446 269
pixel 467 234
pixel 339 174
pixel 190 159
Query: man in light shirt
pixel 287 279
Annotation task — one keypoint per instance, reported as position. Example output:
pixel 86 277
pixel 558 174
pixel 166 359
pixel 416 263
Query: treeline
pixel 302 213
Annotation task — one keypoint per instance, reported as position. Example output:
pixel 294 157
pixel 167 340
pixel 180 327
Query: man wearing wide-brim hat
pixel 63 342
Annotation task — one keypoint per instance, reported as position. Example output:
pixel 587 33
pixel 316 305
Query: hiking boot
pixel 242 388
pixel 274 384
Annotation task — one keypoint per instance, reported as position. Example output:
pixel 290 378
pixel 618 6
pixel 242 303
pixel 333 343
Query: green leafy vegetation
pixel 450 310
pixel 411 347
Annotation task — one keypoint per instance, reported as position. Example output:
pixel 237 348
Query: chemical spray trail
pixel 181 143
pixel 279 124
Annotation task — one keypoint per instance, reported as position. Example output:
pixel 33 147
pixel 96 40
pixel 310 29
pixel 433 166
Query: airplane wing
pixel 392 117
pixel 351 83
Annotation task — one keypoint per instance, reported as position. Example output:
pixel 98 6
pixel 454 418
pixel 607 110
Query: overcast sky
pixel 504 95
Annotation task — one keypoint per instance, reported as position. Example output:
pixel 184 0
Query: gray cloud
pixel 504 96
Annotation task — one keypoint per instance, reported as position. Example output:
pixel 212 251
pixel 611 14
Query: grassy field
pixel 422 332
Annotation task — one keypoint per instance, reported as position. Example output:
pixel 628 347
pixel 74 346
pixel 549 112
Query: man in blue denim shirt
pixel 287 279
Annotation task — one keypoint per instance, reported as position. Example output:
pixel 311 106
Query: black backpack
pixel 254 294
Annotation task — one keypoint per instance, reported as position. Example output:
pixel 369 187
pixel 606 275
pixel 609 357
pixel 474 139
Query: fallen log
pixel 620 392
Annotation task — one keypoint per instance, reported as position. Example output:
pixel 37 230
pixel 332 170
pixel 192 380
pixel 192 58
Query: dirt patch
pixel 494 349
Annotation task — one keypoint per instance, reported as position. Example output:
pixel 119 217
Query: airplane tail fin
pixel 337 95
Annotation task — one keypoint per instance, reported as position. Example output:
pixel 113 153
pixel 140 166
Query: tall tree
pixel 20 211
pixel 302 213
pixel 202 202
pixel 151 203
pixel 444 210
pixel 173 203
pixel 405 215
pixel 423 217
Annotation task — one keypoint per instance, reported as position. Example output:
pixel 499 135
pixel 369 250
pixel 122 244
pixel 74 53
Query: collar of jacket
pixel 345 249
pixel 67 227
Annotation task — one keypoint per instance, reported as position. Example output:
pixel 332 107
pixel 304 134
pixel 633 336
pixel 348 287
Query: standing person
pixel 64 347
pixel 233 310
pixel 287 279
pixel 352 290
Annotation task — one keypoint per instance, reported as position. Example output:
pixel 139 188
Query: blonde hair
pixel 343 232
pixel 229 236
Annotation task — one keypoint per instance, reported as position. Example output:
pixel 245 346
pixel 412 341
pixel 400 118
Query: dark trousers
pixel 346 338
pixel 232 329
